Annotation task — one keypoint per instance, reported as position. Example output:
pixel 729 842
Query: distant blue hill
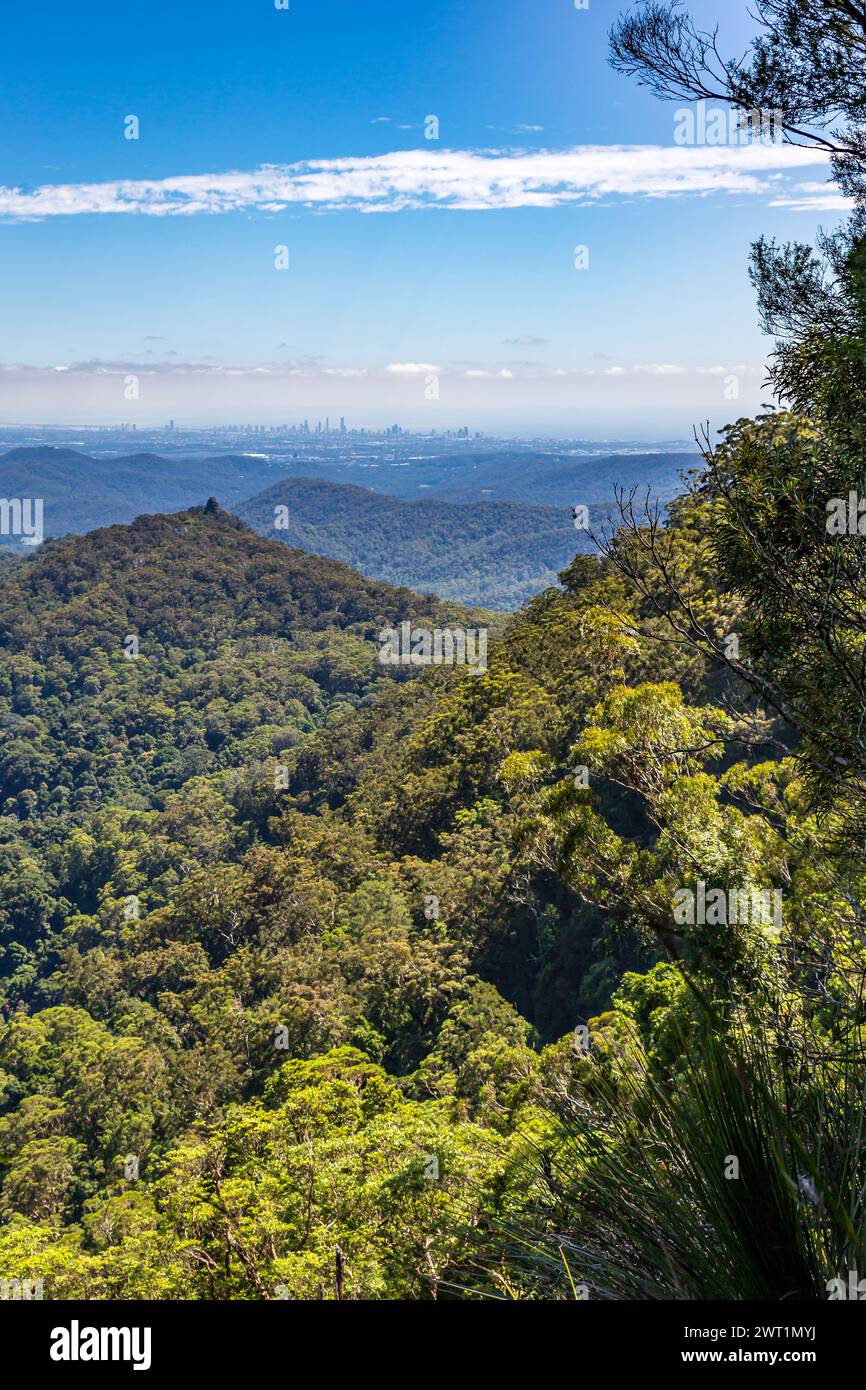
pixel 487 527
pixel 492 553
pixel 81 493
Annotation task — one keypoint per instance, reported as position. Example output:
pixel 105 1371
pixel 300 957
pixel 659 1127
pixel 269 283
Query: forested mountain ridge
pixel 188 628
pixel 557 479
pixel 80 492
pixel 494 553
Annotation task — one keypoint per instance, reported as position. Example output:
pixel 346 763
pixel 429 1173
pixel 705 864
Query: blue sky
pixel 306 120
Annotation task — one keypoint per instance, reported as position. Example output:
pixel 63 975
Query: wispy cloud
pixel 470 180
pixel 310 367
pixel 813 197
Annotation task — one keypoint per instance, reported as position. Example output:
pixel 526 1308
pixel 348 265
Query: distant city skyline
pixel 422 216
pixel 63 435
pixel 304 429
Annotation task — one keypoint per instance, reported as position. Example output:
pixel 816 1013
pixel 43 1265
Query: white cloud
pixel 813 197
pixel 309 368
pixel 675 369
pixel 660 369
pixel 463 179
